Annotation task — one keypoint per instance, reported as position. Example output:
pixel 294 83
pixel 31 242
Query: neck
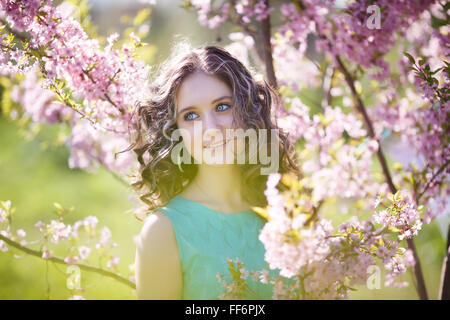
pixel 219 184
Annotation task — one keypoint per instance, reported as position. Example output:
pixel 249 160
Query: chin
pixel 218 159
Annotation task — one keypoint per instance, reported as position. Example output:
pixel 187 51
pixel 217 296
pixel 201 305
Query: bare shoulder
pixel 157 264
pixel 157 231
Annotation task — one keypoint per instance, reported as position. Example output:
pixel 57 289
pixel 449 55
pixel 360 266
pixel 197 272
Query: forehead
pixel 200 88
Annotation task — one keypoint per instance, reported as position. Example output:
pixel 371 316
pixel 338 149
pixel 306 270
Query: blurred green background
pixel 33 176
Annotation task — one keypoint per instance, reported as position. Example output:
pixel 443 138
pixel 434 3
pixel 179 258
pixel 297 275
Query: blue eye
pixel 186 116
pixel 224 104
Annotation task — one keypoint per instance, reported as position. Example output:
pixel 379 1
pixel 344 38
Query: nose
pixel 212 128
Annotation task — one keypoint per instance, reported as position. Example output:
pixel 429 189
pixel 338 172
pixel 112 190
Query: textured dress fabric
pixel 206 238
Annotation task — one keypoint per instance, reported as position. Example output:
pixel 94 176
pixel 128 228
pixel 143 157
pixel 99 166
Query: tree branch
pixel 267 49
pixel 432 178
pixel 327 86
pixel 61 261
pixel 360 106
pixel 444 287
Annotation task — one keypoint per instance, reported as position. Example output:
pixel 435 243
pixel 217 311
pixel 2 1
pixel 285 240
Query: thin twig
pixel 61 261
pixel 327 86
pixel 432 178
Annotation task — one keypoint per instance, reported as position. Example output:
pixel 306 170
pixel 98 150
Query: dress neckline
pixel 212 210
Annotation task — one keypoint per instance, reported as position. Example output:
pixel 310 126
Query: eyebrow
pixel 215 100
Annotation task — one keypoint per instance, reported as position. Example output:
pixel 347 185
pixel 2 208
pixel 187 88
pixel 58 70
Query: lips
pixel 216 144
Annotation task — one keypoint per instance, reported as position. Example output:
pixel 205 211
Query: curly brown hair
pixel 159 178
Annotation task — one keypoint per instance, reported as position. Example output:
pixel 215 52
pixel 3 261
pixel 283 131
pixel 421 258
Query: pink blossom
pixel 40 225
pixel 59 231
pixel 21 233
pixel 397 267
pixel 113 261
pixel 377 201
pixel 244 273
pixel 84 252
pixel 47 254
pixel 104 238
pixel 3 215
pixel 3 246
pixel 71 260
pixel 264 276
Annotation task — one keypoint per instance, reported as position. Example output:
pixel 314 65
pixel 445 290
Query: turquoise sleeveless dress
pixel 206 238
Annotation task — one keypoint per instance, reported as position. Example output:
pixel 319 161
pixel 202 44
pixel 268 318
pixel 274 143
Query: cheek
pixel 225 121
pixel 191 140
pixel 229 119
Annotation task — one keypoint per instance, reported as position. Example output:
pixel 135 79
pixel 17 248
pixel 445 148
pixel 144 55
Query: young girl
pixel 200 202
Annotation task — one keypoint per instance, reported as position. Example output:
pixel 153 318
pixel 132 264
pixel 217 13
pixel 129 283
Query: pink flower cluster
pixel 323 263
pixel 421 129
pixel 79 236
pixel 91 147
pixel 334 168
pixel 348 33
pixel 321 130
pixel 106 82
pixel 290 244
pixel 397 266
pixel 292 68
pixel 251 8
pixel 56 231
pixel 238 287
pixel 402 216
pixel 39 104
pixel 20 14
pixel 244 9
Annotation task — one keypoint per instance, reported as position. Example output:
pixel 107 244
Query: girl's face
pixel 204 111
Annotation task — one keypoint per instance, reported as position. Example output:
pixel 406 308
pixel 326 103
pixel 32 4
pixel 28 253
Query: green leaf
pixel 9 39
pixel 58 206
pixel 408 177
pixel 391 197
pixel 436 71
pixel 394 229
pixel 436 23
pixel 410 57
pixel 6 205
pixel 60 85
pixel 186 5
pixel 141 16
